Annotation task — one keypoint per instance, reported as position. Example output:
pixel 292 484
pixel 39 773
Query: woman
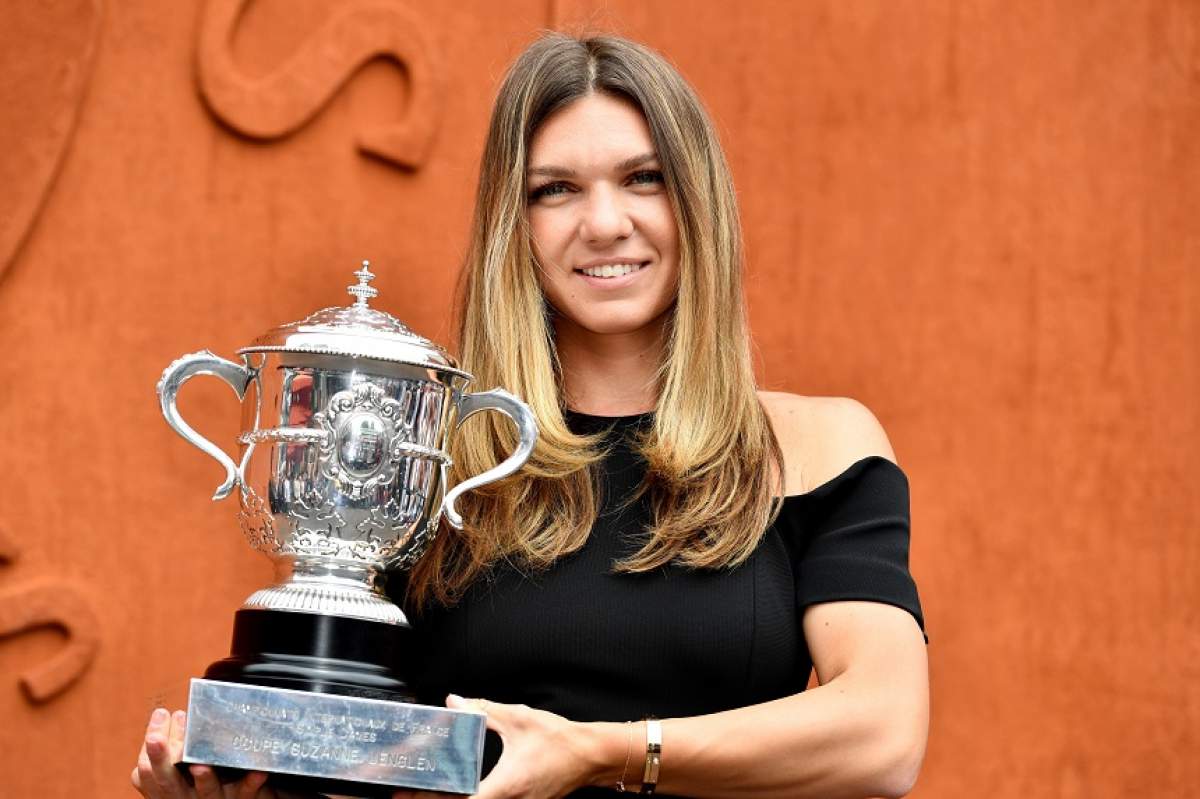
pixel 643 564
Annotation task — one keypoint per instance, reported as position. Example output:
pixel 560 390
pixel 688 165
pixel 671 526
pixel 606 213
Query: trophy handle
pixel 237 376
pixel 494 400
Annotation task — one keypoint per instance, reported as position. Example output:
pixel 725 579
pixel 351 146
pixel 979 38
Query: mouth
pixel 612 271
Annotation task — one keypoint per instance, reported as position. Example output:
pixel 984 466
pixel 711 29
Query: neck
pixel 610 374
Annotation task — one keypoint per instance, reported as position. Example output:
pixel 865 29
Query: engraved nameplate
pixel 327 736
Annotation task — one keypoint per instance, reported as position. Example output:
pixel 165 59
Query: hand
pixel 545 756
pixel 156 776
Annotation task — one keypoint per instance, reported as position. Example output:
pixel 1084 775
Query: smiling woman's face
pixel 602 225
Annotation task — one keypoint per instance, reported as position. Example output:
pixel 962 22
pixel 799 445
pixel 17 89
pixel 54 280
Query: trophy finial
pixel 362 291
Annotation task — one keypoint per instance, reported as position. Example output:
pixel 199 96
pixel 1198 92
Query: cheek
pixel 659 226
pixel 554 284
pixel 550 233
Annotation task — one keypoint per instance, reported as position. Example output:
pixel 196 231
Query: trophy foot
pixel 317 653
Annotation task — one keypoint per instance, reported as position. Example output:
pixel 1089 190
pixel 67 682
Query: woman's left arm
pixel 860 733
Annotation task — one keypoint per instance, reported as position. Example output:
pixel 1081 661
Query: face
pixel 602 226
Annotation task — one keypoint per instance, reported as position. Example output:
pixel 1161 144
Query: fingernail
pixel 160 715
pixel 455 697
pixel 179 717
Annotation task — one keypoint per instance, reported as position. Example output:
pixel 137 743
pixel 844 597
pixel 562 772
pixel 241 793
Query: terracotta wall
pixel 979 218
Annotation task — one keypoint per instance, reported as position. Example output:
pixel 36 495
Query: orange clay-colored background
pixel 981 218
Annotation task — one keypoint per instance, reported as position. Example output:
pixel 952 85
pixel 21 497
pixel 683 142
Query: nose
pixel 604 217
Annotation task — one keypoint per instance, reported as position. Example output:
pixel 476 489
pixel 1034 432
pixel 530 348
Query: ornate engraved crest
pixel 365 437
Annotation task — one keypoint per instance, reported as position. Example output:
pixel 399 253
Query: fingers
pixel 456 702
pixel 142 780
pixel 500 717
pixel 207 784
pixel 143 772
pixel 175 735
pixel 249 785
pixel 155 775
pixel 488 708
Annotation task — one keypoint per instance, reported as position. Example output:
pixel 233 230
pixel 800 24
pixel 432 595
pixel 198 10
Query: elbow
pixel 896 772
pixel 898 781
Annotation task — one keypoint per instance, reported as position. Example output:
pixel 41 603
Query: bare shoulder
pixel 821 437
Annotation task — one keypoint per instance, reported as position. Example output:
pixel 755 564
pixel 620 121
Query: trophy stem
pixel 311 585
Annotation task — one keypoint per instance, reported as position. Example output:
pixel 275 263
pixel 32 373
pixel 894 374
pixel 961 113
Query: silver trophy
pixel 342 476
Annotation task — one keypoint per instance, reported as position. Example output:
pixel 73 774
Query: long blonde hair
pixel 713 463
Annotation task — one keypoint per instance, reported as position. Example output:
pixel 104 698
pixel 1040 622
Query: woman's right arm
pixel 156 776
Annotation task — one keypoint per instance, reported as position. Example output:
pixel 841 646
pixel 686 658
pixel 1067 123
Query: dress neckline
pixel 581 415
pixel 850 471
pixel 590 424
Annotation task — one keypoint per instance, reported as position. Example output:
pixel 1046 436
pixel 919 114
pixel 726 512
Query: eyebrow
pixel 563 172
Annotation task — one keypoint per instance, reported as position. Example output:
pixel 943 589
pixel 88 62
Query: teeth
pixel 612 270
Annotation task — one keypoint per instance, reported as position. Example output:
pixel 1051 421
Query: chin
pixel 610 324
pixel 609 328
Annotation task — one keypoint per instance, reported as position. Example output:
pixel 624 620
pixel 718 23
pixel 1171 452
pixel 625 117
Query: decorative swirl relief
pixel 49 49
pixel 285 100
pixel 41 603
pixel 313 525
pixel 256 522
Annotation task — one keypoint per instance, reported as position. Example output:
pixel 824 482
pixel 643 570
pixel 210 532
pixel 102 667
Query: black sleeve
pixel 853 537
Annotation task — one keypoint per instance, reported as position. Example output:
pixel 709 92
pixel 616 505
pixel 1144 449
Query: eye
pixel 548 190
pixel 646 177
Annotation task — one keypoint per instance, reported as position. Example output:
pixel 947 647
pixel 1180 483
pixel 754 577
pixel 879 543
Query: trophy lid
pixel 358 331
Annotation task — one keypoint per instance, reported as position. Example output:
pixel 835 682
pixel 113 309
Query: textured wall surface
pixel 977 217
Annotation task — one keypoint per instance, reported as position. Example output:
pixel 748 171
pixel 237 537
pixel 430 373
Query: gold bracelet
pixel 653 755
pixel 628 756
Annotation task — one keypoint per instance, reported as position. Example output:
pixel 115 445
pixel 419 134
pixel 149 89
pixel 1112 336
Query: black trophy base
pixel 318 654
pixel 311 652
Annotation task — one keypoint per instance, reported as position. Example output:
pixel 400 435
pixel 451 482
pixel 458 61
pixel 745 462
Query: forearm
pixel 838 740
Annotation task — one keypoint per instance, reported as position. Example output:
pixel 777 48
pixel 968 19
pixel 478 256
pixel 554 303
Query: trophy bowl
pixel 341 478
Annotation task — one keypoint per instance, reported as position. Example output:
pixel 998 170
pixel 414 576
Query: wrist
pixel 605 753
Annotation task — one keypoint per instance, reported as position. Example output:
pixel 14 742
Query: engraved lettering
pixel 249 743
pixel 265 712
pixel 406 761
pixel 353 728
pixel 419 728
pixel 336 753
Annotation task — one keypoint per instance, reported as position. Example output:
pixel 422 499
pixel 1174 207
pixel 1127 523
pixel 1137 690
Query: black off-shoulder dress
pixel 590 644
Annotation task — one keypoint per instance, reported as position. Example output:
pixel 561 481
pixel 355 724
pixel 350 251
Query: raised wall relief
pixel 46 55
pixel 41 602
pixel 286 99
